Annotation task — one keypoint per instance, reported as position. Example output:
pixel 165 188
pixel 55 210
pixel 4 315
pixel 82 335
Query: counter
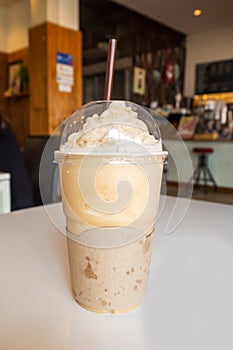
pixel 5 193
pixel 220 162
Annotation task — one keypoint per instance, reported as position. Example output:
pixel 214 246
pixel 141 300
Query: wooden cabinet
pixel 3 75
pixel 49 106
pixel 17 109
pixel 44 107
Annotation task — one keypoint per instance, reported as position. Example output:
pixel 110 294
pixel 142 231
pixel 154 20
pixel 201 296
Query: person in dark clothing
pixel 11 161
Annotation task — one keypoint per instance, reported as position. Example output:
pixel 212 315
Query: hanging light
pixel 197 12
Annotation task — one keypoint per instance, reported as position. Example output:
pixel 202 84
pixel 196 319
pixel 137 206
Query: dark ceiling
pixel 100 20
pixel 104 19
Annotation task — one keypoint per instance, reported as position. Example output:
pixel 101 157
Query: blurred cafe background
pixel 176 61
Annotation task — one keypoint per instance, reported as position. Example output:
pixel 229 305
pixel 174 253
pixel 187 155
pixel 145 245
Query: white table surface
pixel 189 304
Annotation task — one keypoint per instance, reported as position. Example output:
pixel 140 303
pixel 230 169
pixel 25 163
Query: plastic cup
pixel 110 176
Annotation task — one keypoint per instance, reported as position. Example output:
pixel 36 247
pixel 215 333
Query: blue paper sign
pixel 64 58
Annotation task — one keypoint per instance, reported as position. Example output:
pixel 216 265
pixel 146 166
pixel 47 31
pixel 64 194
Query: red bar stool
pixel 202 171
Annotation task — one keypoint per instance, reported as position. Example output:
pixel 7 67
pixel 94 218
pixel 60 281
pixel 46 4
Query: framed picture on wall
pixel 13 77
pixel 139 81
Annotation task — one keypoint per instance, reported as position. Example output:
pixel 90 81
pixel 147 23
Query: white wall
pixel 18 18
pixel 68 14
pixel 205 47
pixel 3 35
pixel 18 22
pixel 37 11
pixel 62 12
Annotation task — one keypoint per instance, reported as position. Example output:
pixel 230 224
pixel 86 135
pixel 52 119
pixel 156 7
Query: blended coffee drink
pixel 110 165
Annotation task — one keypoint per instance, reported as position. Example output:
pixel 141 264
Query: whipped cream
pixel 117 129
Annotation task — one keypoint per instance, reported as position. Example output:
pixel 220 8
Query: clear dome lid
pixel 111 127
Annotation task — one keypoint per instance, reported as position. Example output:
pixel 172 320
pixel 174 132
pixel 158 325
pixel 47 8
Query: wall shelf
pixel 16 96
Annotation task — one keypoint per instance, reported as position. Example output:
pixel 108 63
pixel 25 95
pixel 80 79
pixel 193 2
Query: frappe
pixel 110 166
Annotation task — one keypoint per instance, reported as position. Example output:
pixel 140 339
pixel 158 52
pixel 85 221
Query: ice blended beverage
pixel 110 166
